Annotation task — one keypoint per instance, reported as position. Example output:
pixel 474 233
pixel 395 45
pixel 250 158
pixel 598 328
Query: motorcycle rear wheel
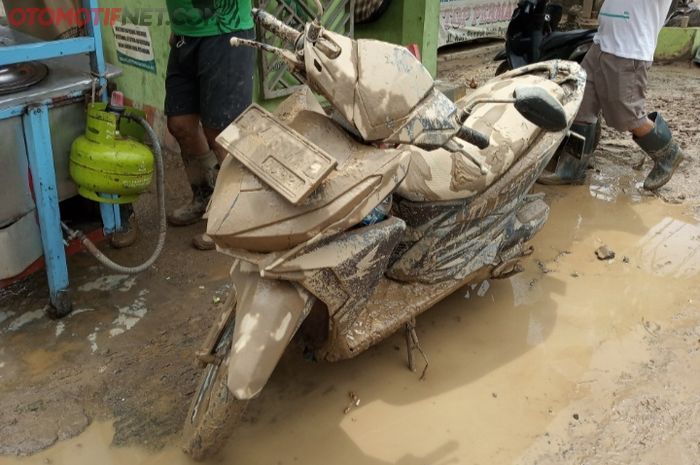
pixel 215 412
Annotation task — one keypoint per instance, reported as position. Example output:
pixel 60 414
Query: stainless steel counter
pixel 67 75
pixel 69 79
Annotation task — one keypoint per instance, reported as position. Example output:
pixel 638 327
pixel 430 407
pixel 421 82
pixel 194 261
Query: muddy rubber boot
pixel 663 149
pixel 203 242
pixel 574 157
pixel 201 172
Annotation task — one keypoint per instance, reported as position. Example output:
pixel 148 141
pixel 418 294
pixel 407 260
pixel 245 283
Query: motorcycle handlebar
pixel 275 26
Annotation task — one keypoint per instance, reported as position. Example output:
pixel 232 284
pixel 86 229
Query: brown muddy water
pixel 512 362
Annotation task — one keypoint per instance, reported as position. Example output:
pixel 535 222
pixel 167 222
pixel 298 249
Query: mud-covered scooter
pixel 345 228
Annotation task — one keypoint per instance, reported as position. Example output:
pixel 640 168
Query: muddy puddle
pixel 508 359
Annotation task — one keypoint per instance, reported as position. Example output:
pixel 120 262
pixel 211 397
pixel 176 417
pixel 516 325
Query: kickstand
pixel 412 343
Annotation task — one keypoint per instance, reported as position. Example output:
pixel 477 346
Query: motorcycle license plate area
pixel 277 154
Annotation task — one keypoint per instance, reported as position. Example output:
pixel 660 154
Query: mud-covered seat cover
pixel 441 175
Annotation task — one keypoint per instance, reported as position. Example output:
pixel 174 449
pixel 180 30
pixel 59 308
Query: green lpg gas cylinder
pixel 110 163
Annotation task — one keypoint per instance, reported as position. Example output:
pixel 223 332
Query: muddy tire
pixel 502 68
pixel 214 412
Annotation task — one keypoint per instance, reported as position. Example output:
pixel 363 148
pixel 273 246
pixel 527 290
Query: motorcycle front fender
pixel 268 314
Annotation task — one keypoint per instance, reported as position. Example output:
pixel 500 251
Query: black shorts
pixel 208 77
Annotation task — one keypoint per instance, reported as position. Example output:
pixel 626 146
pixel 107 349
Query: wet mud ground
pixel 576 360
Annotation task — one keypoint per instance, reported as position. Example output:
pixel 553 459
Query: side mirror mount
pixel 540 108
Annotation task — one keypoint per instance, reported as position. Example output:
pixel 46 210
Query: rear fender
pixel 268 314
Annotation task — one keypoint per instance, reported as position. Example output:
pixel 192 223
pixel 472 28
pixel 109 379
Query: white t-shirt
pixel 630 28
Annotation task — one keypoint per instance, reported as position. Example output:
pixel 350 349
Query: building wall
pixel 142 88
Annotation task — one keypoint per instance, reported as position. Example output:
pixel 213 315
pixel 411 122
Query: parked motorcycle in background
pixel 345 228
pixel 533 33
pixel 533 36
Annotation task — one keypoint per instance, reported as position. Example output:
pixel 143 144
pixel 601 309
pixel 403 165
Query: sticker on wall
pixel 134 46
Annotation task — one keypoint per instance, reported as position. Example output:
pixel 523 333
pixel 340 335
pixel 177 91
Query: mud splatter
pixel 92 338
pixel 25 319
pixel 6 315
pixel 130 315
pixel 60 327
pixel 121 282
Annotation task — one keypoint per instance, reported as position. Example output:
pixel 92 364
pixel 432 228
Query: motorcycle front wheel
pixel 215 412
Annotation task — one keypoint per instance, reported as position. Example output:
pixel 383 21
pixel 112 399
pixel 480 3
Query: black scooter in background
pixel 532 37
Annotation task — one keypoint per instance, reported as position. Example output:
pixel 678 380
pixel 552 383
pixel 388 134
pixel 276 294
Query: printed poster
pixel 134 46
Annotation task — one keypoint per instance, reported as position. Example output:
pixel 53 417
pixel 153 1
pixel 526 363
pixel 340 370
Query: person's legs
pixel 189 134
pixel 182 108
pixel 226 83
pixel 225 79
pixel 625 112
pixel 643 129
pixel 200 166
pixel 211 135
pixel 655 138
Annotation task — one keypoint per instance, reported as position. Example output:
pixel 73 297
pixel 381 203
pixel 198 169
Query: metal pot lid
pixel 20 76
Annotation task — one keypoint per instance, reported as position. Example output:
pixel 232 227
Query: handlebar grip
pixel 474 137
pixel 275 26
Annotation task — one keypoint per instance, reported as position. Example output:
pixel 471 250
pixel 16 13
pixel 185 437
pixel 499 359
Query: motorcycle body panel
pixel 441 175
pixel 254 217
pixel 374 85
pixel 393 303
pixel 268 313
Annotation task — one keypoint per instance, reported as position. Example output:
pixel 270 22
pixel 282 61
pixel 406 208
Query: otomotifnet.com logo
pixel 71 17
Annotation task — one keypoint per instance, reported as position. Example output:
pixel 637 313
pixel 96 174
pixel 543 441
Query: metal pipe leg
pixel 41 164
pixel 111 215
pixel 413 343
pixel 409 348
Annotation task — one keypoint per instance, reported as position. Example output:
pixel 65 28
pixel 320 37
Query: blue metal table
pixel 33 107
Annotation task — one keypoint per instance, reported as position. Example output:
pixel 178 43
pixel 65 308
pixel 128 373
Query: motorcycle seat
pixel 440 175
